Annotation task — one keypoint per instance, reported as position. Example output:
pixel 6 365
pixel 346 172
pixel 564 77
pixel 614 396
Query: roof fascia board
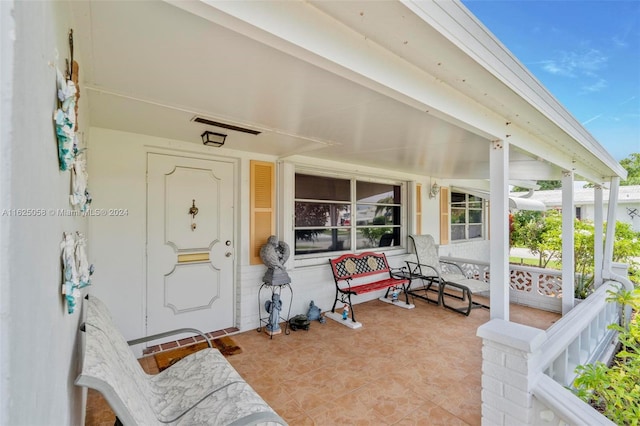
pixel 461 27
pixel 548 153
pixel 299 29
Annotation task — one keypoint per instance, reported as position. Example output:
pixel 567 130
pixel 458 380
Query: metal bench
pixel 356 274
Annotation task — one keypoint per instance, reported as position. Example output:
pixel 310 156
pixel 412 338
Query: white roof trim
pixel 516 203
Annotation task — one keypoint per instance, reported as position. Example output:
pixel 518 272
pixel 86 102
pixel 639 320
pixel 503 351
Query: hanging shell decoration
pixel 65 118
pixel 76 268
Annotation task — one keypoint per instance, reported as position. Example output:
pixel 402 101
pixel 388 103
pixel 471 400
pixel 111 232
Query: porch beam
pixel 611 223
pixel 598 229
pixel 568 242
pixel 499 225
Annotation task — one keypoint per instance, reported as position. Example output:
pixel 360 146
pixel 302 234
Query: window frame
pixel 466 205
pixel 353 227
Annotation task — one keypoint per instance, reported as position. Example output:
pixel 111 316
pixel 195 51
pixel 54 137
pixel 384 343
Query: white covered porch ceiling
pixel 368 83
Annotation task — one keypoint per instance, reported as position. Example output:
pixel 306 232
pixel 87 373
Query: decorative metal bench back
pixel 359 265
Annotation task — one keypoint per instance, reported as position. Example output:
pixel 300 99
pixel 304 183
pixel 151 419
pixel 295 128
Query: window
pixel 467 216
pixel 345 214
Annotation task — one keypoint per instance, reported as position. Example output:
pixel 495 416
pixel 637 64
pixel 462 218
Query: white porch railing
pixel 529 286
pixel 526 371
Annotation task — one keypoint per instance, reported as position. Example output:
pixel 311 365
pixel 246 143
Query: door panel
pixel 189 257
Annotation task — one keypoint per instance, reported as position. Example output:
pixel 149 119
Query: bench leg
pixel 333 309
pixel 353 314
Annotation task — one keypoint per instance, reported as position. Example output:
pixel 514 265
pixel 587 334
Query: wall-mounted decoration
pixel 66 114
pixel 70 154
pixel 76 268
pixel 80 197
pixel 65 118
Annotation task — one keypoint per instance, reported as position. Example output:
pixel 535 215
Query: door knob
pixel 228 254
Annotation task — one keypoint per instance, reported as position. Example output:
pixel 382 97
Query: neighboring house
pixel 329 109
pixel 628 208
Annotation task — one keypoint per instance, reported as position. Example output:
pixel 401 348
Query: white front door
pixel 190 257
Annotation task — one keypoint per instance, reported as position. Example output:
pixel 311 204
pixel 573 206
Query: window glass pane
pixel 322 214
pixel 377 215
pixel 475 216
pixel 322 188
pixel 326 215
pixel 475 231
pixel 370 237
pixel 458 215
pixel 322 240
pixel 457 232
pixel 370 192
pixel 457 197
pixel 467 216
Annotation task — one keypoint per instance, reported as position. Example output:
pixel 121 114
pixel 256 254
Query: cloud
pixel 595 87
pixel 618 42
pixel 573 64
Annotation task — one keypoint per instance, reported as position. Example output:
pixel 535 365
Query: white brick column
pixel 508 372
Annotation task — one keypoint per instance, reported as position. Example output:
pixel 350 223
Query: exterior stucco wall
pixel 39 350
pixel 117 168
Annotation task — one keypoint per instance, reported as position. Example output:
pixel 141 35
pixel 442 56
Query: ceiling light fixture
pixel 213 138
pixel 208 122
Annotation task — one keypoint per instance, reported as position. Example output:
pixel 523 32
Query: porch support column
pixel 611 223
pixel 568 243
pixel 597 238
pixel 510 369
pixel 499 226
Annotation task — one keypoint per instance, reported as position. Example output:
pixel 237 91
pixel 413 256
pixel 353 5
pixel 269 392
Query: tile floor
pixel 403 367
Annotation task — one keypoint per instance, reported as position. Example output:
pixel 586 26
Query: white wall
pixel 39 351
pixel 117 165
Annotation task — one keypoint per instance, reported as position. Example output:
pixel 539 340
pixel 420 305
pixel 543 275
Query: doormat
pixel 225 344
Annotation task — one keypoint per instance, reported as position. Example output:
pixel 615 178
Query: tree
pixel 310 214
pixel 543 184
pixel 632 165
pixel 529 230
pixel 542 234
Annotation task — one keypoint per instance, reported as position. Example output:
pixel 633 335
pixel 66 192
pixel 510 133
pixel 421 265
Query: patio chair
pixel 386 240
pixel 449 279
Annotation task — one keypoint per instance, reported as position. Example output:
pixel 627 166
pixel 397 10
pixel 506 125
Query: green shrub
pixel 615 390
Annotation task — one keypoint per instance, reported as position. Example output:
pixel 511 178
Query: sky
pixel 586 53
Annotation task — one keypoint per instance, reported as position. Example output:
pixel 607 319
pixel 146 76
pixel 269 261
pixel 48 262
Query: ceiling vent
pixel 225 126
